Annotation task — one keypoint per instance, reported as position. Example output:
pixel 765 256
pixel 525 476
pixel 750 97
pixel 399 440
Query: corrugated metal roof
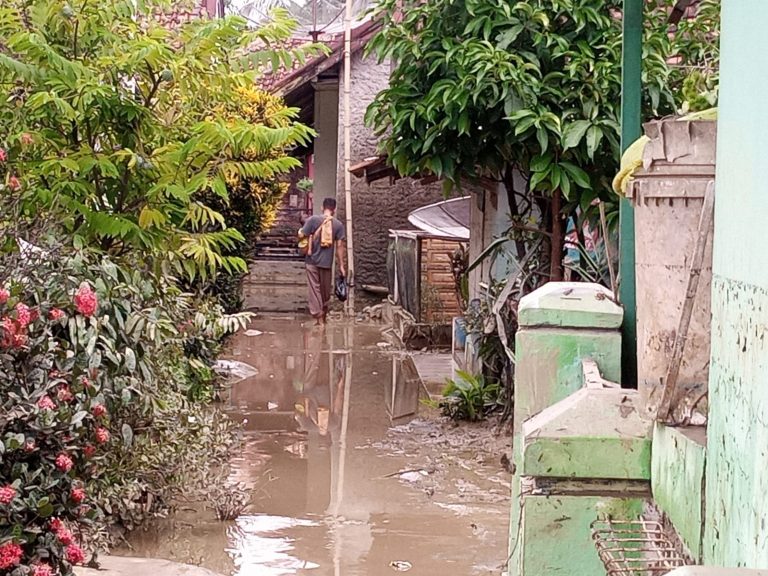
pixel 448 219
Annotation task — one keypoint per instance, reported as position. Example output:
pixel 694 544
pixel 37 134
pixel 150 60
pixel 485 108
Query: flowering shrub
pixel 47 420
pixel 95 427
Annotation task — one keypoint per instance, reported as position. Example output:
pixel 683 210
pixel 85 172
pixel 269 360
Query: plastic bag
pixel 341 289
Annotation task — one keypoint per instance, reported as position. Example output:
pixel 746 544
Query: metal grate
pixel 635 548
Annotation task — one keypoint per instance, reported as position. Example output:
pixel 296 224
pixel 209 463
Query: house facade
pixel 317 89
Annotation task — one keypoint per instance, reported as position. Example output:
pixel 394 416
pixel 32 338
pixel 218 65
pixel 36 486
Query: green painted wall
pixel 677 481
pixel 557 535
pixel 736 528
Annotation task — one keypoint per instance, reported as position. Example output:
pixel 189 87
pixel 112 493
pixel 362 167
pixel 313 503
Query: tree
pixel 111 123
pixel 487 89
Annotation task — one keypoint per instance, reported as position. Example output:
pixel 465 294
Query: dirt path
pixel 337 487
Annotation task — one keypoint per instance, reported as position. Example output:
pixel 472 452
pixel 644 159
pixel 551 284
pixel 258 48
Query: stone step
pixel 275 297
pixel 275 286
pixel 284 272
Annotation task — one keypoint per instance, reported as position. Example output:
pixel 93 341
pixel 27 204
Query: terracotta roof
pixel 284 81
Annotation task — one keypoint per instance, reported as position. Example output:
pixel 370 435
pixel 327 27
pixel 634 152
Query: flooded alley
pixel 348 471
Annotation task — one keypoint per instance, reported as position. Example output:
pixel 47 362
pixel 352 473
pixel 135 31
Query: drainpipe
pixel 350 306
pixel 631 98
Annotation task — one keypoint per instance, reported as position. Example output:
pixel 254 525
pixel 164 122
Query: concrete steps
pixel 275 286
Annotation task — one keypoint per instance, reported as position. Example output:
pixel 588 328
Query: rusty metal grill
pixel 635 547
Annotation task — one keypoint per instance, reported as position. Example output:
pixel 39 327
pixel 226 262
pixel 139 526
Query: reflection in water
pixel 326 502
pixel 261 547
pixel 403 388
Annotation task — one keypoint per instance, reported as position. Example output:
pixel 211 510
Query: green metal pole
pixel 631 100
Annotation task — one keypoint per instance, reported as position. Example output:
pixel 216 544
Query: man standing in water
pixel 325 235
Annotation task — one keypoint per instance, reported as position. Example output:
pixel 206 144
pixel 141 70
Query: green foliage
pixel 305 184
pixel 698 44
pixel 469 397
pixel 251 204
pixel 479 87
pixel 112 123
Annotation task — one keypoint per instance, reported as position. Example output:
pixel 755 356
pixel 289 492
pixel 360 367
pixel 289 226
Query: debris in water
pixel 413 475
pixel 234 370
pixel 383 344
pixel 272 405
pixel 253 332
pixel 400 565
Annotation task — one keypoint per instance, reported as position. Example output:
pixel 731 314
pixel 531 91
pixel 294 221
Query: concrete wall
pixel 326 143
pixel 383 205
pixel 677 481
pixel 737 451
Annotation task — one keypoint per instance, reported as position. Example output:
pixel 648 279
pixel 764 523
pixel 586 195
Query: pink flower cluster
pixel 42 570
pixel 64 394
pixel 10 555
pixel 99 410
pixel 77 495
pixel 64 463
pixel 11 335
pixel 102 435
pixel 56 314
pixel 62 532
pixel 46 403
pixel 73 552
pixel 23 315
pixel 13 332
pixel 85 300
pixel 7 494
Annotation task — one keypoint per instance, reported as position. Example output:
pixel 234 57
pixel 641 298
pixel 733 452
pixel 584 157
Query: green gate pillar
pixel 631 100
pixel 560 325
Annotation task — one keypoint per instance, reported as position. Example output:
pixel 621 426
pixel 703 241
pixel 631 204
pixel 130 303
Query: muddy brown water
pixel 349 473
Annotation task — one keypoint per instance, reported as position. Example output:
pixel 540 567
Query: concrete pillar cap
pixel 571 305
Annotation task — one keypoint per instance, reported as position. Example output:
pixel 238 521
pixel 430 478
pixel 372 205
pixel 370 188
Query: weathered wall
pixel 737 450
pixel 383 205
pixel 489 220
pixel 677 480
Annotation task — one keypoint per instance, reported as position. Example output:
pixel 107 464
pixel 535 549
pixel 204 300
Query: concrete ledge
pixel 712 571
pixel 119 566
pixel 591 434
pixel 572 305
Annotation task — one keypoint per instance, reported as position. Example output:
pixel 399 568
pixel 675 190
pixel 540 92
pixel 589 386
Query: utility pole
pixel 631 130
pixel 350 307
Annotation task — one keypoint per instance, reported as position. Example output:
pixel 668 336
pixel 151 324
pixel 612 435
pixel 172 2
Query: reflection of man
pixel 319 406
pixel 325 235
